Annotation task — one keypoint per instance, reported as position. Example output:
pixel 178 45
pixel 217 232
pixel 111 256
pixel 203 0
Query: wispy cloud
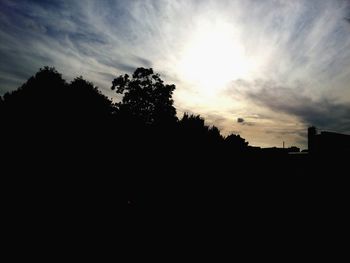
pixel 301 48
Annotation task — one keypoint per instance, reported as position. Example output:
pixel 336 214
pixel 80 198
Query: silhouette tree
pixel 86 101
pixel 194 132
pixel 49 114
pixel 214 135
pixel 40 95
pixel 145 97
pixel 194 125
pixel 46 98
pixel 236 142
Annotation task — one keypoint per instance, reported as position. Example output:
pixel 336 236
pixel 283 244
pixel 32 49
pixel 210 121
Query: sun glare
pixel 212 58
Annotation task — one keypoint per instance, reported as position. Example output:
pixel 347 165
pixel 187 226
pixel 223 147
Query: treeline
pixel 70 152
pixel 70 134
pixel 46 109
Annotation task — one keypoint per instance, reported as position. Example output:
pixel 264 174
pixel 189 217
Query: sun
pixel 212 58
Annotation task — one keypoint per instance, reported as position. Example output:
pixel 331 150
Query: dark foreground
pixel 268 204
pixel 78 172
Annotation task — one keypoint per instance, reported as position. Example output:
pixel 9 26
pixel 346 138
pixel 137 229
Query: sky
pixel 264 69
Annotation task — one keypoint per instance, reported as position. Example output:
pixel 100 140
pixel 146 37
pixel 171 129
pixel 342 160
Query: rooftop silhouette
pixel 327 142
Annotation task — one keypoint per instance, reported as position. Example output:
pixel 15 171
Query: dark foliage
pixel 69 151
pixel 54 144
pixel 196 134
pixel 47 99
pixel 145 97
pixel 236 143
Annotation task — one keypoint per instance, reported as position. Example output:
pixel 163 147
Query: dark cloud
pixel 325 113
pixel 244 122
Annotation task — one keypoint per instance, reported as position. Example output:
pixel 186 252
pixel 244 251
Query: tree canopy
pixel 47 101
pixel 47 97
pixel 145 97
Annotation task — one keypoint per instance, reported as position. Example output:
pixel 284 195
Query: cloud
pixel 325 113
pixel 309 38
pixel 242 121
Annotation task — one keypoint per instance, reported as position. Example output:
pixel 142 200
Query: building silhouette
pixel 326 142
pixel 274 150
